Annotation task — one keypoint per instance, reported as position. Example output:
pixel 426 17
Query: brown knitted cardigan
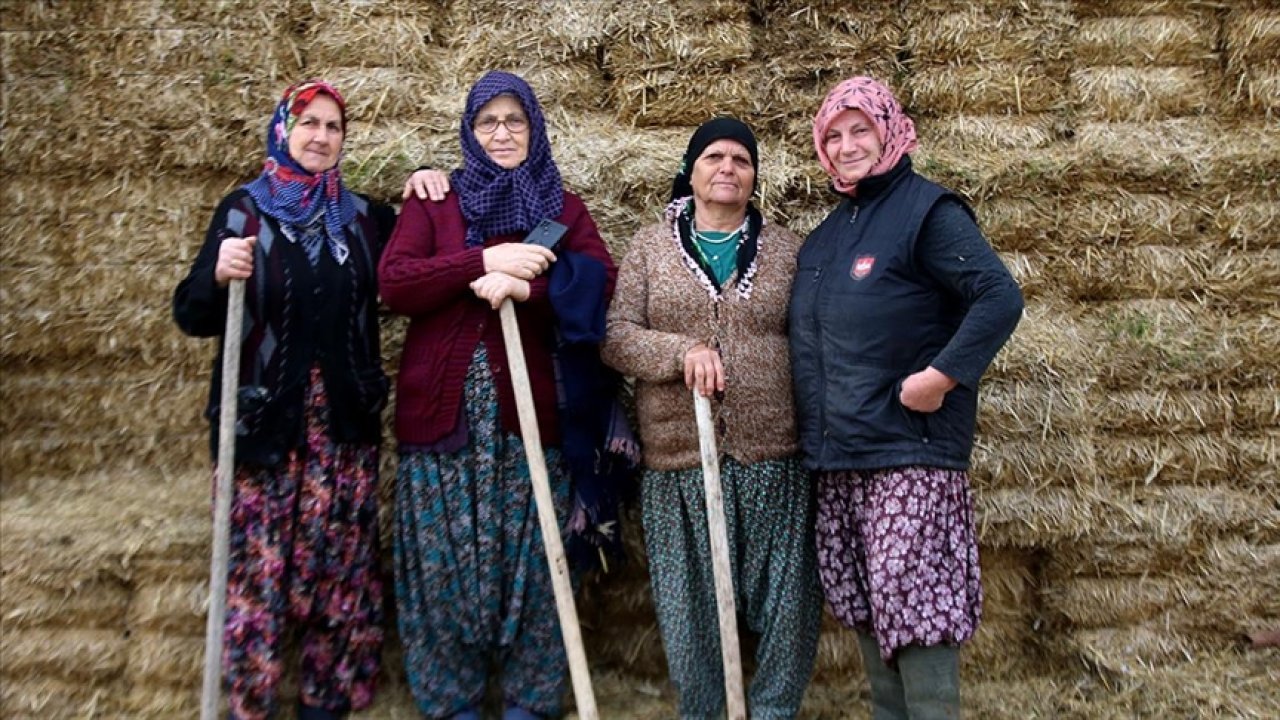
pixel 663 306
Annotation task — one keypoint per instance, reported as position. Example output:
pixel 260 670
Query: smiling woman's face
pixel 852 145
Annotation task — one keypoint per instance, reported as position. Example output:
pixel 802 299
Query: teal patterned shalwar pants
pixel 769 513
pixel 472 583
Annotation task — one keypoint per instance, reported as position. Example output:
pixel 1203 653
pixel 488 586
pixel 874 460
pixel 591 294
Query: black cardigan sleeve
pixel 952 250
pixel 199 305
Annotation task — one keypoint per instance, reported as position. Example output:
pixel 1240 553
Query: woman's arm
pixel 199 304
pixel 953 251
pixel 631 346
pixel 416 276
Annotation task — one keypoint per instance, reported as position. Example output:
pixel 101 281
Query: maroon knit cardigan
pixel 425 273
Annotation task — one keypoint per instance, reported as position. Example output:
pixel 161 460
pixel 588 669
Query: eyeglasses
pixel 513 124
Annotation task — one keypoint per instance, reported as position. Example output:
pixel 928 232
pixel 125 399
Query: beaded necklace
pixel 709 238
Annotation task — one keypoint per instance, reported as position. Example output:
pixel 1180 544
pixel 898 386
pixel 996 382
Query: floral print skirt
pixel 304 556
pixel 473 586
pixel 898 554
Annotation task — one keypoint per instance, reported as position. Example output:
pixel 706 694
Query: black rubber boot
pixel 931 681
pixel 888 701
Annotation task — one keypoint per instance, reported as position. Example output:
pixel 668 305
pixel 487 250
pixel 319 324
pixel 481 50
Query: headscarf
pixel 495 200
pixel 896 131
pixel 291 194
pixel 721 128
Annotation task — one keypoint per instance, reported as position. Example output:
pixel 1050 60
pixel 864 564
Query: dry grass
pixel 1241 279
pixel 815 44
pixel 942 33
pixel 1256 92
pixel 1173 343
pixel 1252 34
pixel 96 603
pixel 1146 40
pixel 1175 412
pixel 1248 219
pixel 39 697
pixel 1125 93
pixel 1121 155
pixel 995 88
pixel 1183 153
pixel 1034 515
pixel 1100 215
pixel 348 37
pixel 1236 461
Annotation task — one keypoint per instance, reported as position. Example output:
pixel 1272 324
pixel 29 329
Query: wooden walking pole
pixel 720 565
pixel 569 629
pixel 222 503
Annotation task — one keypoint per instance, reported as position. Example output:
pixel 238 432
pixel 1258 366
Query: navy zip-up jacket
pixel 893 281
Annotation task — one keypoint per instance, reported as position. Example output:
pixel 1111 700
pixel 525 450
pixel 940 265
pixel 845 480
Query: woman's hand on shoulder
pixel 235 260
pixel 518 260
pixel 426 184
pixel 494 287
pixel 924 391
pixel 703 370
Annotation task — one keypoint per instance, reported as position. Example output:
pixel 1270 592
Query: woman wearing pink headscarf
pixel 898 307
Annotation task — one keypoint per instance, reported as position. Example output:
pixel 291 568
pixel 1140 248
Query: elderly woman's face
pixel 723 175
pixel 853 145
pixel 315 142
pixel 502 129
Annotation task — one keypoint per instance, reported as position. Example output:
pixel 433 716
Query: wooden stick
pixel 569 629
pixel 720 565
pixel 212 689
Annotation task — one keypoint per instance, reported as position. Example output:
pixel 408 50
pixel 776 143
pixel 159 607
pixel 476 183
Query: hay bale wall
pixel 1122 156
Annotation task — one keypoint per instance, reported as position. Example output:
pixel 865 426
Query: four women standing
pixel 883 322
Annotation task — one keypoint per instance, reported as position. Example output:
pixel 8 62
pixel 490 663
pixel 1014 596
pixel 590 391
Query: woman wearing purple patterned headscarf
pixel 898 307
pixel 472 584
pixel 304 529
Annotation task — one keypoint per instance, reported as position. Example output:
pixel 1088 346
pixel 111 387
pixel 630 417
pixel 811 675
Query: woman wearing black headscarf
pixel 472 581
pixel 702 303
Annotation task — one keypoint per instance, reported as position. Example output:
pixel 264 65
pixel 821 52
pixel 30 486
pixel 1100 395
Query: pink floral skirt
pixel 898 554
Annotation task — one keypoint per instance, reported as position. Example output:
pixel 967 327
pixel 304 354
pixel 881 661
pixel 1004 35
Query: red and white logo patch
pixel 862 266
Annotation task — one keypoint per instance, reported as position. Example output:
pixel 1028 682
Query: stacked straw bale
pixel 1179 298
pixel 1121 156
pixel 675 61
pixel 1252 34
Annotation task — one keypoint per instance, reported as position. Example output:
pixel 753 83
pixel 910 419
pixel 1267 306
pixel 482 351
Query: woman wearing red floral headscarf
pixel 304 530
pixel 898 307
